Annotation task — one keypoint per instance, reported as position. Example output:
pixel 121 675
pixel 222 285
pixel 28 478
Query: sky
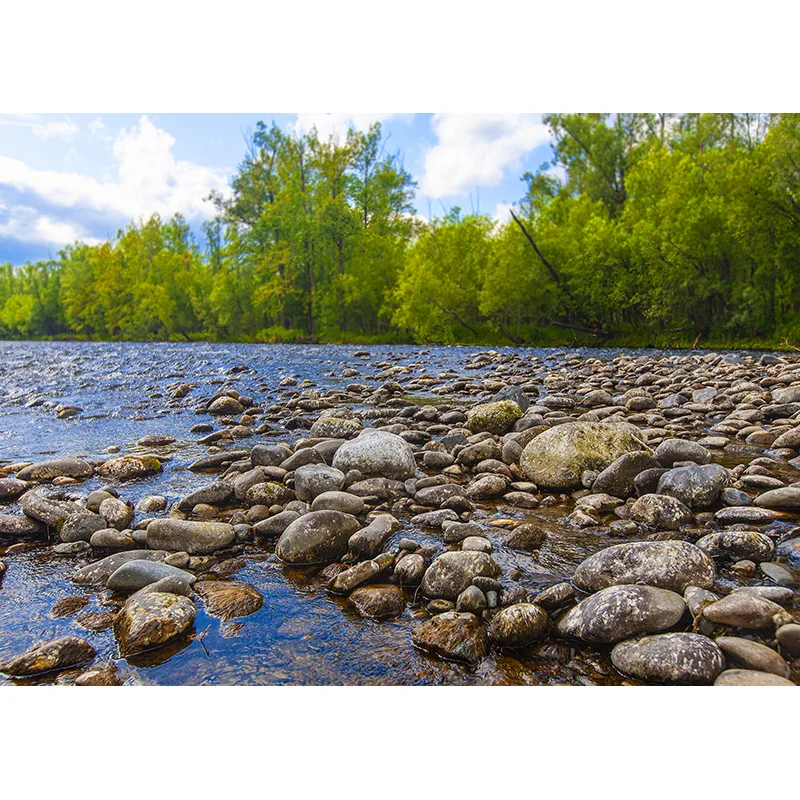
pixel 82 177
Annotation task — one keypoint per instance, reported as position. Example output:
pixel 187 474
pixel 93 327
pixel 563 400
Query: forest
pixel 642 230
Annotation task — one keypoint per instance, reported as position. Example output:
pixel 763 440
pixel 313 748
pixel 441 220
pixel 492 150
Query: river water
pixel 301 635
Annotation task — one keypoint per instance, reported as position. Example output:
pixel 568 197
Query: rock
pixel 229 599
pixel 377 453
pixel 672 450
pixel 315 479
pixel 338 501
pixel 785 497
pixel 620 612
pixel 225 406
pixel 617 479
pixel 68 606
pixel 744 514
pixel 487 487
pixel 335 428
pixel 218 493
pixel 472 599
pixel 268 493
pixel 742 610
pixel 780 573
pixel 268 455
pixel 58 654
pixel 555 596
pixel 11 489
pixel 527 536
pixel 96 620
pixel 14 527
pixel 195 538
pixel 519 625
pixel 57 468
pixel 383 601
pixel 100 571
pixel 275 526
pixel 556 458
pixel 660 512
pixel 150 620
pixel 137 573
pixel 117 514
pixel 788 637
pixel 52 513
pixel 673 657
pixel 749 677
pixel 496 417
pixel 477 543
pixel 127 468
pixel 736 545
pixel 436 495
pixel 752 655
pixel 112 539
pixel 672 565
pixel 695 487
pixel 152 504
pixel 410 570
pixel 320 537
pixel 452 572
pixel 453 635
pixel 434 519
pixel 362 572
pixel 81 527
pixel 515 393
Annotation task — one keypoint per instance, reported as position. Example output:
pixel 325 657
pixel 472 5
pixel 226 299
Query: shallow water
pixel 301 635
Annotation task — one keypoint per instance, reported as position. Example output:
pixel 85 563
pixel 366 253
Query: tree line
pixel 643 229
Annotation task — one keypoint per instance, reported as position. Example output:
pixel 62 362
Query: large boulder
pixel 377 453
pixel 320 537
pixel 453 572
pixel 622 611
pixel 149 620
pixel 672 657
pixel 672 565
pixel 195 538
pixel 695 487
pixel 496 417
pixel 454 636
pixel 57 468
pixel 556 458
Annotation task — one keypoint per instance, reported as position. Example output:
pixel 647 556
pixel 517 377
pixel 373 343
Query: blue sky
pixel 67 177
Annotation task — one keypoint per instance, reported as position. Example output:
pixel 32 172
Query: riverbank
pixel 448 516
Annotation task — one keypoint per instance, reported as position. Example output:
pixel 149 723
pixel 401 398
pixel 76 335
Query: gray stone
pixel 672 657
pixel 454 636
pixel 320 537
pixel 133 575
pixel 195 538
pixel 660 512
pixel 57 468
pixel 672 450
pixel 316 479
pixel 519 625
pixel 377 453
pixel 695 487
pixel 736 545
pixel 452 572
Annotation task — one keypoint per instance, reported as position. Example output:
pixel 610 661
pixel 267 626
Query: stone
pixel 382 601
pixel 527 536
pixel 276 525
pixel 137 573
pixel 58 654
pixel 11 489
pixel 410 570
pixel 472 599
pixel 267 493
pixel 52 513
pixel 229 599
pixel 735 545
pixel 377 453
pixel 338 501
pixel 195 538
pixel 57 468
pixel 452 572
pixel 367 542
pixel 672 565
pixel 127 468
pixel 117 514
pixel 150 620
pixel 519 625
pixel 13 527
pixel 152 504
pixel 620 612
pixel 748 515
pixel 218 493
pixel 225 406
pixel 787 497
pixel 660 512
pixel 555 596
pixel 333 427
pixel 496 417
pixel 670 657
pixel 80 527
pixel 752 655
pixel 515 393
pixel 454 636
pixel 315 479
pixel 788 637
pixel 742 610
pixel 618 479
pixel 556 458
pixel 749 677
pixel 112 539
pixel 695 487
pixel 320 537
pixel 672 450
pixel 487 487
pixel 362 572
pixel 100 571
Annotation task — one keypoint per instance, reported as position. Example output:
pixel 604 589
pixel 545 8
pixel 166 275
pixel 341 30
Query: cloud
pixel 336 125
pixel 149 179
pixel 475 150
pixel 502 212
pixel 56 130
pixel 26 224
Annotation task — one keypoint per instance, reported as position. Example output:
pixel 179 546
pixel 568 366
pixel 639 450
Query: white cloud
pixel 502 212
pixel 56 130
pixel 475 150
pixel 149 179
pixel 336 125
pixel 25 224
